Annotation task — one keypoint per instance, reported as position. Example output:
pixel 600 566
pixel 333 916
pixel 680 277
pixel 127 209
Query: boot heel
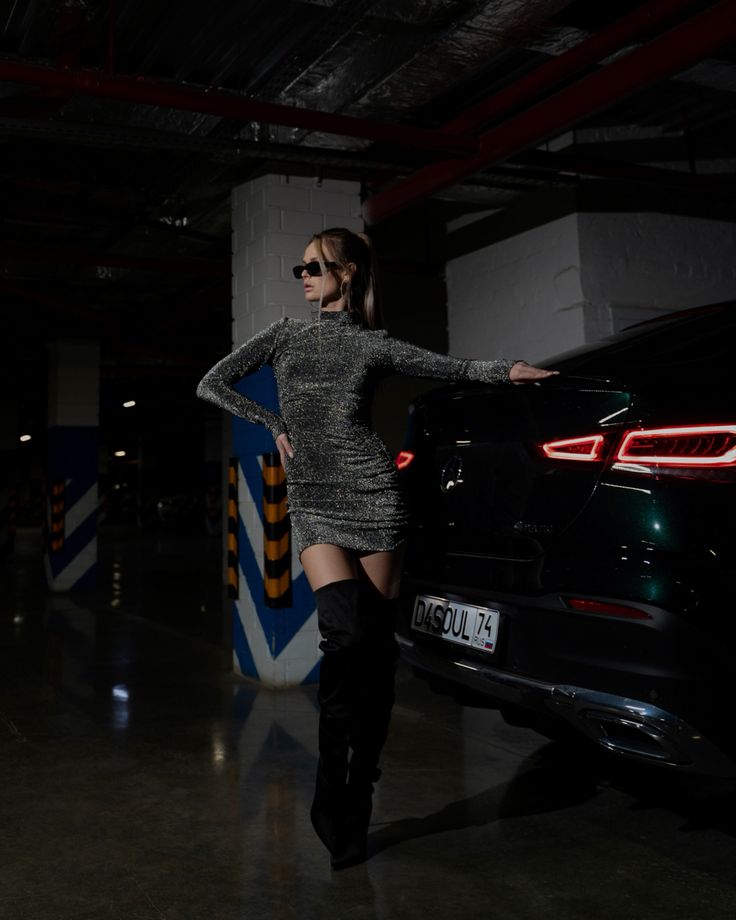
pixel 358 811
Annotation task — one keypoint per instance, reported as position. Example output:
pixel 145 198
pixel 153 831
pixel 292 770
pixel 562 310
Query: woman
pixel 347 513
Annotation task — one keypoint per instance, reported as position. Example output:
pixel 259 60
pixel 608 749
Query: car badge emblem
pixel 452 474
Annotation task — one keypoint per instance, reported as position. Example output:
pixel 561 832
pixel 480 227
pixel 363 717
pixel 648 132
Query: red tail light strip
pixel 692 445
pixel 684 446
pixel 589 448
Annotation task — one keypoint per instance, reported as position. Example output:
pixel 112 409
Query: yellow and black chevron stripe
pixel 276 534
pixel 232 528
pixel 58 514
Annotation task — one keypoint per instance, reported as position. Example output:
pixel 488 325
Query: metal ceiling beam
pixel 669 53
pixel 144 91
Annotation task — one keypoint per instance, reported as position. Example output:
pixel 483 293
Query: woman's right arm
pixel 217 384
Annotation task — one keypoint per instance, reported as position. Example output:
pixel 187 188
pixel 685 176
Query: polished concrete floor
pixel 141 780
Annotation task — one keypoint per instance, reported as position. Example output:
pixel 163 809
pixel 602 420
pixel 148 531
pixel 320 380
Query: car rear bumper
pixel 632 728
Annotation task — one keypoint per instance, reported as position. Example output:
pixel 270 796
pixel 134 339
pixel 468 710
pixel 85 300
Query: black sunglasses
pixel 313 269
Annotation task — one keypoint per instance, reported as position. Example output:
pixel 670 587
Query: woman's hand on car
pixel 283 444
pixel 522 372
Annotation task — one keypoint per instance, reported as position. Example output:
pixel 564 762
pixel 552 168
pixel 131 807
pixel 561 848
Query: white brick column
pixel 273 218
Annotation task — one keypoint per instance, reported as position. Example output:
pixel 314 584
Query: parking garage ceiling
pixel 124 124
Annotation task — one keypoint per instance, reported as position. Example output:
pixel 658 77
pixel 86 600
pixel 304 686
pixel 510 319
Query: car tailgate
pixel 480 484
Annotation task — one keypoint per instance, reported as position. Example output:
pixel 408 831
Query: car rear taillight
pixel 404 458
pixel 585 605
pixel 589 448
pixel 689 446
pixel 682 447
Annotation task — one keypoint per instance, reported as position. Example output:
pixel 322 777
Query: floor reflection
pixel 140 779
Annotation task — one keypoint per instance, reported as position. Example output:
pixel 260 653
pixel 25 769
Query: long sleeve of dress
pixel 405 358
pixel 217 384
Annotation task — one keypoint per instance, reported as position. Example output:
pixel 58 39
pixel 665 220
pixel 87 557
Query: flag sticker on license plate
pixel 465 624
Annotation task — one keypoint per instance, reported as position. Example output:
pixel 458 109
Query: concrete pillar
pixel 578 277
pixel 72 464
pixel 273 218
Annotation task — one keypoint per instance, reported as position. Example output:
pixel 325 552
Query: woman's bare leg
pixel 324 563
pixel 383 571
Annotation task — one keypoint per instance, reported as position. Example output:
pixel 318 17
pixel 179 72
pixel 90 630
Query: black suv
pixel 573 557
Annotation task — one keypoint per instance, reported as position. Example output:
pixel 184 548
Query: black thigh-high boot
pixel 342 618
pixel 372 713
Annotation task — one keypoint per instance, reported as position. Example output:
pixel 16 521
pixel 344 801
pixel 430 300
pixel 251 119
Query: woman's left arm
pixel 405 358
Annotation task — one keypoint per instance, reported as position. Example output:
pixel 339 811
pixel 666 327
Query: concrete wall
pixel 580 277
pixel 637 265
pixel 519 297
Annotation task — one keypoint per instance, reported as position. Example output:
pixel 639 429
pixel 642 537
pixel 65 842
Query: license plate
pixel 454 621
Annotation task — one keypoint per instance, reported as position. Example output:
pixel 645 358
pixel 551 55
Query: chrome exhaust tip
pixel 632 738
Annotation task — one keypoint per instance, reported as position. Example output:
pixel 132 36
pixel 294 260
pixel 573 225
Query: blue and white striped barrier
pixel 279 647
pixel 71 550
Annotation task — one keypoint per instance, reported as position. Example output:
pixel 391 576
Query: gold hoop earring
pixel 344 289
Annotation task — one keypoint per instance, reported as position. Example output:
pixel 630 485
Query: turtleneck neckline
pixel 333 316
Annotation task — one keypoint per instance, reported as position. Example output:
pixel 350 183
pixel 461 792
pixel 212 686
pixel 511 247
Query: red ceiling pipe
pixel 141 90
pixel 208 268
pixel 588 52
pixel 669 53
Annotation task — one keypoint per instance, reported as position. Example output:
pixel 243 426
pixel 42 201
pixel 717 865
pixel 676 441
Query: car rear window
pixel 692 342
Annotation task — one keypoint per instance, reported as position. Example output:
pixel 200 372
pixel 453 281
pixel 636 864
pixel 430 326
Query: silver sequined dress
pixel 342 484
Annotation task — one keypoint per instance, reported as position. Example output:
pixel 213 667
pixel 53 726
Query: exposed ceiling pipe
pixel 220 150
pixel 671 52
pixel 207 268
pixel 630 172
pixel 588 52
pixel 144 91
pixel 540 80
pixel 71 21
